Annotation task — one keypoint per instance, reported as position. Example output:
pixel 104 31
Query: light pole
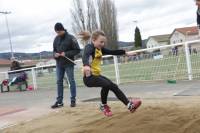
pixel 135 22
pixel 187 35
pixel 39 46
pixel 187 39
pixel 11 47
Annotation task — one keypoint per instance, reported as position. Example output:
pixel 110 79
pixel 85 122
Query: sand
pixel 174 115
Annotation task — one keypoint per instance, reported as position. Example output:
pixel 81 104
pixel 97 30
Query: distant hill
pixel 49 54
pixel 27 56
pixel 131 44
pixel 125 44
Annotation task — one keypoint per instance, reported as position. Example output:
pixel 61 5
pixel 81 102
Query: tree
pixel 78 17
pixel 138 38
pixel 92 24
pixel 84 19
pixel 108 22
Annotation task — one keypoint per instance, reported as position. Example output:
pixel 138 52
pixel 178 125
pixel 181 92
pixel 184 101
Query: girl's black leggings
pixel 106 85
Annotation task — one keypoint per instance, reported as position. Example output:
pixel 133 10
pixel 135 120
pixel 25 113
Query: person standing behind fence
pixel 64 45
pixel 15 65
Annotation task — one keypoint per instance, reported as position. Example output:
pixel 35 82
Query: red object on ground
pixel 5 82
pixel 30 88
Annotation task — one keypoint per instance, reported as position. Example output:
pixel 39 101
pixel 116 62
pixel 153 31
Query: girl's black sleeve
pixel 88 50
pixel 106 51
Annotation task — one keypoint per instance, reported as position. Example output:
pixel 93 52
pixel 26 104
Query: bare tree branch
pixel 92 24
pixel 84 19
pixel 108 22
pixel 77 13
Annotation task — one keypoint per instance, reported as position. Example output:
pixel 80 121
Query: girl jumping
pixel 92 58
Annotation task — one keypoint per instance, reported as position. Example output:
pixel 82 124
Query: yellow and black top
pixel 92 57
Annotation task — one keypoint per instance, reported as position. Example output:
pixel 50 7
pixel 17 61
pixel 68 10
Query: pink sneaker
pixel 106 110
pixel 134 104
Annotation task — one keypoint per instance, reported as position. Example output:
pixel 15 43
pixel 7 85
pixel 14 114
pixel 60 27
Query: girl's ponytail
pixel 85 36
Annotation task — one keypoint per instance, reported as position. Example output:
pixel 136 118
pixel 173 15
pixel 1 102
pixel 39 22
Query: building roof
pixel 161 38
pixel 4 62
pixel 188 30
pixel 30 63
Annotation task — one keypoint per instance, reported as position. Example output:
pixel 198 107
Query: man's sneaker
pixel 134 104
pixel 73 104
pixel 57 105
pixel 106 110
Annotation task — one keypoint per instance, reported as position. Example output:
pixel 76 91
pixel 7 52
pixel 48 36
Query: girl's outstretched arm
pixel 106 51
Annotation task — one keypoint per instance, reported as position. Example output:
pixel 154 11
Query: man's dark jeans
pixel 70 75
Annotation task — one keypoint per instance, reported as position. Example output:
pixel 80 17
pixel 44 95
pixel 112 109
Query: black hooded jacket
pixel 198 17
pixel 68 44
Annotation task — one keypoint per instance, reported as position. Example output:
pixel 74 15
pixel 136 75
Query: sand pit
pixel 180 115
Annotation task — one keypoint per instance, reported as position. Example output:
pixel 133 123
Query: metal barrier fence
pixel 144 65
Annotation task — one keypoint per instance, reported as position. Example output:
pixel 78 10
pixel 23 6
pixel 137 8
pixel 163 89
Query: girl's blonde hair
pixel 86 36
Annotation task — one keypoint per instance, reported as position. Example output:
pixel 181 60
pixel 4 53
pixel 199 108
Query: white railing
pixel 187 54
pixel 137 68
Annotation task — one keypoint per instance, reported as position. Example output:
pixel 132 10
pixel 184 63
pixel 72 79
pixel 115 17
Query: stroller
pixel 15 79
pixel 18 79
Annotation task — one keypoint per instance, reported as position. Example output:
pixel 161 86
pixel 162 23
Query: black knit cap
pixel 59 27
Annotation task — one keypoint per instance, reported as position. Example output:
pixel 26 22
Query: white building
pixel 156 41
pixel 180 35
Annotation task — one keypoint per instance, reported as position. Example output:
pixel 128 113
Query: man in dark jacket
pixel 198 12
pixel 65 45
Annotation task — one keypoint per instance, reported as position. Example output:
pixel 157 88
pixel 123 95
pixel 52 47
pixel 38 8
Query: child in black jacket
pixel 92 58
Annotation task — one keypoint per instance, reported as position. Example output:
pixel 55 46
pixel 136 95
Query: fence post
pixel 116 70
pixel 34 79
pixel 188 61
pixel 6 75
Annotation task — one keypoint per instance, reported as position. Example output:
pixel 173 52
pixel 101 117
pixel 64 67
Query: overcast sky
pixel 32 21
